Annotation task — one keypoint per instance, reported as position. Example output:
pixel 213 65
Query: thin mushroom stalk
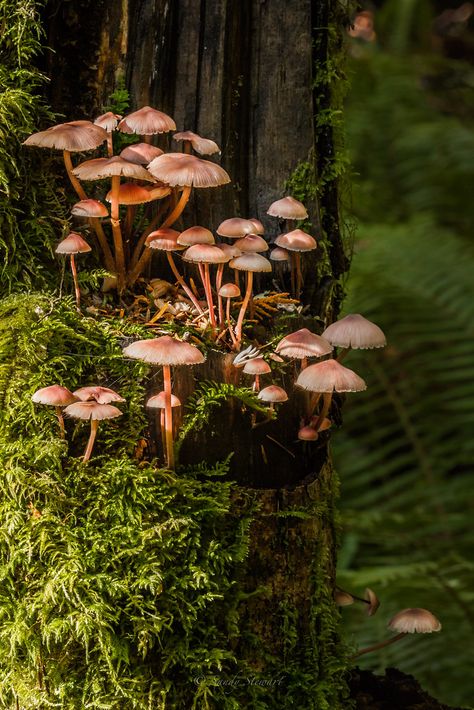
pixel 327 399
pixel 182 282
pixel 376 646
pixel 168 417
pixel 90 443
pixel 59 414
pixel 77 290
pixel 243 308
pixel 117 232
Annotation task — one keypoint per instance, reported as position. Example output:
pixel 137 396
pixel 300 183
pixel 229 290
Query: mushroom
pixel 92 209
pixel 140 153
pixel 102 395
pixel 195 235
pixel 108 121
pixel 229 291
pixel 55 396
pixel 206 254
pixel 76 136
pixel 158 401
pixel 71 245
pixel 259 228
pixel 251 242
pixel 257 366
pixel 95 412
pixel 343 598
pixel 309 433
pixel 370 600
pixel 203 146
pixel 303 344
pixel 327 377
pixel 296 242
pixel 147 121
pixel 288 208
pixel 356 332
pixel 186 171
pixel 272 394
pixel 251 263
pixel 165 351
pixel 407 621
pixel 235 228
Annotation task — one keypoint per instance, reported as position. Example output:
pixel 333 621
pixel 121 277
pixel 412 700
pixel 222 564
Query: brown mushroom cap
pixel 302 343
pixel 250 262
pixel 89 208
pixel 229 290
pixel 259 228
pixel 410 621
pixel 130 193
pixel 92 410
pixel 101 168
pixel 108 121
pixel 251 242
pixel 287 208
pixel 279 254
pixel 343 598
pixel 187 170
pixel 203 146
pixel 235 228
pixel 230 250
pixel 257 366
pixel 140 153
pixel 147 121
pixel 297 240
pixel 196 235
pixel 330 376
pixel 102 395
pixel 164 351
pixel 54 396
pixel 164 239
pixel 355 331
pixel 72 136
pixel 272 393
pixel 158 401
pixel 206 254
pixel 73 244
pixel 307 433
pixel 373 600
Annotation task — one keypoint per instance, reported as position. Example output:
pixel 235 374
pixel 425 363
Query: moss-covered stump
pixel 125 586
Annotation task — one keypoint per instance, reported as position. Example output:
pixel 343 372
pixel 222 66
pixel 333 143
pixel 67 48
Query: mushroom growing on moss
pixel 95 412
pixel 55 396
pixel 71 245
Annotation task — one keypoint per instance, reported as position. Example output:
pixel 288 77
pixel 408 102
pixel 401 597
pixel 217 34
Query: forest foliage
pixel 405 451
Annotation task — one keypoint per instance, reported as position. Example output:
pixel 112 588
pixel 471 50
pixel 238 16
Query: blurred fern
pixel 406 449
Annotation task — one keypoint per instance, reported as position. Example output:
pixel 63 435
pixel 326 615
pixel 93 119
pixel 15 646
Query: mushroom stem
pixel 117 232
pixel 110 144
pixel 74 181
pixel 182 283
pixel 376 646
pixel 304 363
pixel 327 398
pixel 76 283
pixel 59 414
pixel 293 268
pixel 243 308
pixel 187 147
pixel 90 443
pixel 168 417
pixel 208 289
pixel 182 202
pixel 315 397
pixel 162 428
pixel 354 596
pixel 342 354
pixel 299 275
pixel 229 326
pixel 220 303
pixel 256 384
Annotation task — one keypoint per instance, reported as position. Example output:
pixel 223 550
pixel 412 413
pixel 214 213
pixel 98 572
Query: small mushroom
pixel 296 242
pixel 203 146
pixel 204 255
pixel 102 395
pixel 147 121
pixel 158 401
pixel 95 412
pixel 108 121
pixel 272 394
pixel 257 366
pixel 407 621
pixel 229 291
pixel 303 344
pixel 74 244
pixel 251 263
pixel 57 397
pixel 370 600
pixel 288 208
pixel 356 332
pixel 91 209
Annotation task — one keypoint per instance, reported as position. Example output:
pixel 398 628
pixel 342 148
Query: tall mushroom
pixel 257 366
pixel 356 332
pixel 206 254
pixel 74 244
pixel 250 263
pixel 296 242
pixel 165 351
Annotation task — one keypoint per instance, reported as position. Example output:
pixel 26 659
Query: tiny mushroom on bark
pixel 272 394
pixel 251 242
pixel 165 351
pixel 287 208
pixel 147 121
pixel 103 395
pixel 95 412
pixel 91 209
pixel 158 401
pixel 203 146
pixel 55 396
pixel 407 621
pixel 370 600
pixel 71 245
pixel 257 366
pixel 108 121
pixel 296 242
pixel 196 235
pixel 140 153
pixel 235 228
pixel 356 332
pixel 327 377
pixel 250 263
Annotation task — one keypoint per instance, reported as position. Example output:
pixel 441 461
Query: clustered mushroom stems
pixel 183 283
pixel 243 308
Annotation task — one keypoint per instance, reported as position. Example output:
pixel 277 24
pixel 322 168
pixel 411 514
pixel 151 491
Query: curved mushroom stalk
pixel 90 443
pixel 77 290
pixel 243 308
pixel 376 646
pixel 117 233
pixel 59 414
